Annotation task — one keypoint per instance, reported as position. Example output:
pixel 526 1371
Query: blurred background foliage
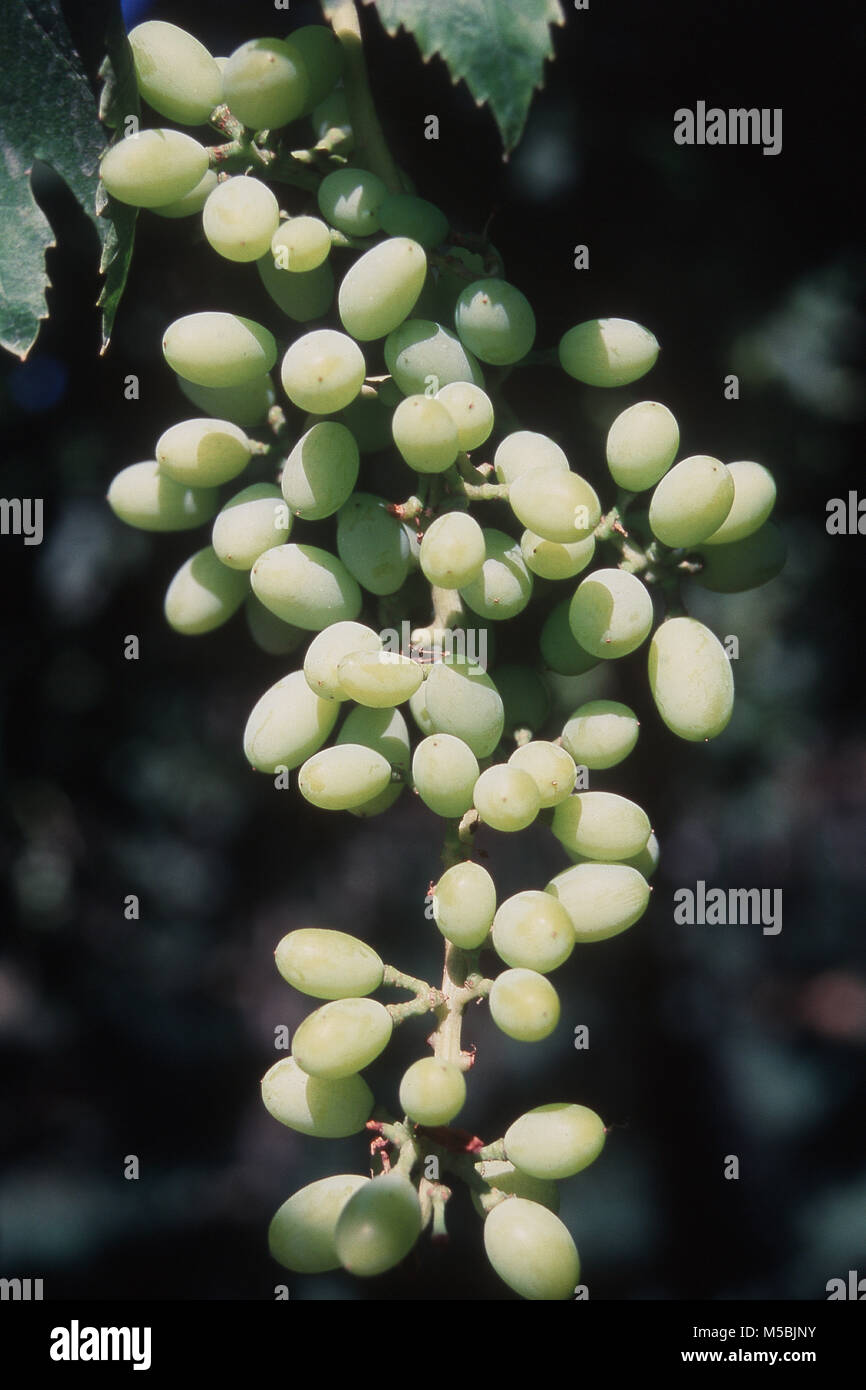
pixel 149 1037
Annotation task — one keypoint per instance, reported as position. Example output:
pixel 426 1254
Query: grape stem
pixel 464 477
pixel 371 151
pixel 426 1000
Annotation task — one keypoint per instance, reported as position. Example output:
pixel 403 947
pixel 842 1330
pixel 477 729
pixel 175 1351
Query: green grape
pixel 287 725
pixel 611 613
pixel 525 696
pixel 386 731
pixel 327 650
pixel 174 72
pixel 301 1236
pixel 372 544
pixel 153 167
pixel 646 861
pixel 602 900
pixel 350 200
pixel 504 586
pixel 342 1037
pixel 552 559
pixel 239 219
pixel 560 648
pixel 305 586
pixel 203 594
pixel 300 244
pixel 341 779
pixel 554 504
pixel 402 214
pixel 451 282
pixel 691 680
pixel 143 496
pixel 425 434
pixel 531 1250
pixel 551 768
pixel 323 58
pixel 269 632
pixel 464 903
pixel 311 1105
pixel 601 825
pixel 532 931
pixel 203 452
pixel 524 1005
pixel 301 295
pixel 461 699
pixel 555 1141
pixel 378 1225
pixel 506 798
pixel 421 715
pixel 379 291
pixel 471 409
pixel 250 523
pixel 452 550
pixel 600 734
pixel 607 352
pixel 421 354
pixel 214 349
pixel 368 419
pixel 379 680
pixel 321 471
pixel 507 1181
pixel 745 564
pixel 525 450
pixel 265 83
pixel 246 405
pixel 191 202
pixel 495 321
pixel 332 124
pixel 445 770
pixel 432 1092
pixel 691 501
pixel 754 499
pixel 323 371
pixel 642 444
pixel 328 964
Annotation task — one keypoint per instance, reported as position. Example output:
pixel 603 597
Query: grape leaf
pixel 498 47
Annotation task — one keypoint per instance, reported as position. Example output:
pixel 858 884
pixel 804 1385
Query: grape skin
pixel 555 1141
pixel 531 930
pixel 531 1250
pixel 524 1005
pixel 506 798
pixel 690 679
pixel 175 73
pixel 341 1038
pixel 464 903
pixel 153 167
pixel 240 218
pixel 314 1106
pixel 432 1091
pixel 343 778
pixel 328 964
pixel 444 771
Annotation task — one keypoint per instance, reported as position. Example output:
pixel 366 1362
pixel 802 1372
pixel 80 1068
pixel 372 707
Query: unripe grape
pixel 378 1225
pixel 560 648
pixel 342 1037
pixel 332 124
pixel 215 349
pixel 314 1106
pixel 444 771
pixel 524 1005
pixel 342 778
pixel 301 295
pixel 350 199
pixel 250 523
pixel 203 453
pixel 265 83
pixel 323 371
pixel 507 1181
pixel 601 825
pixel 142 496
pixel 432 1092
pixel 555 1141
pixel 558 505
pixel 153 167
pixel 607 352
pixel 379 291
pixel 602 900
pixel 471 410
pixel 642 444
pixel 525 695
pixel 305 586
pixel 532 931
pixel 269 632
pixel 204 594
pixel 524 451
pixel 421 354
pixel 191 202
pixel 425 434
pixel 600 734
pixel 175 73
pixel 754 498
pixel 506 798
pixel 326 651
pixel 453 550
pixel 691 501
pixel 240 217
pixel 611 613
pixel 464 902
pixel 321 471
pixel 301 1236
pixel 504 586
pixel 372 544
pixel 461 699
pixel 531 1250
pixel 747 564
pixel 300 244
pixel 380 679
pixel 690 679
pixel 402 214
pixel 323 60
pixel 245 405
pixel 287 725
pixel 552 559
pixel 495 321
pixel 386 732
pixel 551 768
pixel 328 964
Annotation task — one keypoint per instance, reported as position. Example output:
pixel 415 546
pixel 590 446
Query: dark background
pixel 149 1037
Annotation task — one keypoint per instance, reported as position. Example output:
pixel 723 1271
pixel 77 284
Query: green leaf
pixel 498 47
pixel 118 99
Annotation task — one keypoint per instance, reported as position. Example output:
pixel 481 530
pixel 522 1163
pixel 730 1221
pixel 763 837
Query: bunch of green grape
pixel 408 325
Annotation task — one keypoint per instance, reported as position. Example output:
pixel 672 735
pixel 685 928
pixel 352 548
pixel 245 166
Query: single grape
pixel 321 471
pixel 432 1092
pixel 555 1141
pixel 422 355
pixel 425 434
pixel 421 715
pixel 402 214
pixel 301 295
pixel 368 419
pixel 174 72
pixel 642 444
pixel 340 779
pixel 523 452
pixel 524 1005
pixel 495 321
pixel 525 695
pixel 250 523
pixel 453 550
pixel 372 544
pixel 287 725
pixel 342 1037
pixel 607 352
pixel 560 648
pixel 461 699
pixel 191 202
pixel 379 291
pixel 600 733
pixel 215 349
pixel 601 825
pixel 552 559
pixel 690 679
pixel 203 452
pixel 551 768
pixel 326 651
pixel 246 405
pixel 153 167
pixel 754 499
pixel 444 771
pixel 531 1250
pixel 747 564
pixel 471 409
pixel 300 244
pixel 464 902
pixel 602 900
pixel 385 731
pixel 305 586
pixel 203 595
pixel 378 1225
pixel 554 504
pixel 269 632
pixel 350 199
pixel 323 371
pixel 691 501
pixel 328 964
pixel 532 931
pixel 265 83
pixel 301 1236
pixel 240 217
pixel 506 798
pixel 646 861
pixel 611 613
pixel 142 496
pixel 507 1181
pixel 311 1105
pixel 504 586
pixel 379 680
pixel 323 60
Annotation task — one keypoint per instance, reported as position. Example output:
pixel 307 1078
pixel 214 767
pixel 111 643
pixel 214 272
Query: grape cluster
pixel 392 382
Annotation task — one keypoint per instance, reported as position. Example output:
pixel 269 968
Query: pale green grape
pixel 421 715
pixel 174 72
pixel 328 964
pixel 402 214
pixel 301 1236
pixel 203 452
pixel 203 595
pixel 525 696
pixel 432 1092
pixel 691 680
pixel 250 523
pixel 327 650
pixel 524 451
pixel 321 471
pixel 368 419
pixel 269 632
pixel 350 200
pixel 691 501
pixel 422 355
pixel 642 444
pixel 453 550
pixel 507 1181
pixel 323 371
pixel 386 731
pixel 495 321
pixel 445 770
pixel 246 405
pixel 461 699
pixel 607 352
pixel 240 217
pixel 601 825
pixel 524 1005
pixel 532 931
pixel 322 54
pixel 191 202
pixel 560 648
pixel 504 586
pixel 464 902
pixel 372 544
pixel 142 496
pixel 602 900
pixel 215 349
pixel 611 613
pixel 379 680
pixel 425 434
pixel 471 409
pixel 265 83
pixel 305 586
pixel 300 244
pixel 646 861
pixel 332 124
pixel 379 291
pixel 153 167
pixel 341 1037
pixel 531 1250
pixel 554 504
pixel 600 733
pixel 343 778
pixel 551 768
pixel 506 798
pixel 754 499
pixel 378 1225
pixel 745 564
pixel 302 295
pixel 555 1141
pixel 287 725
pixel 552 559
pixel 311 1105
